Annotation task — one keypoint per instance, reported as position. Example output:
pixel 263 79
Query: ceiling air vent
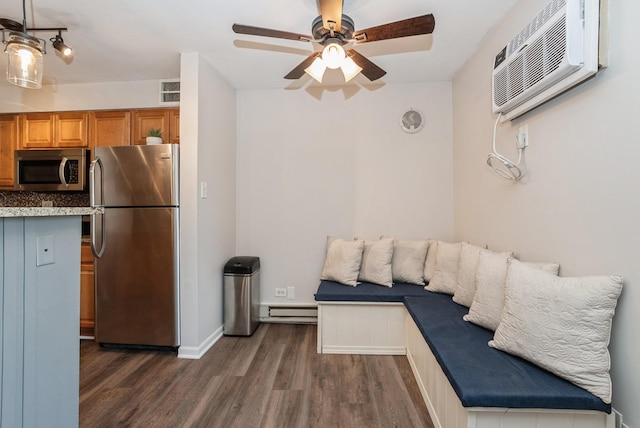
pixel 170 92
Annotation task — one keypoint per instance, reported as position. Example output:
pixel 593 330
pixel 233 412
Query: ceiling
pixel 124 40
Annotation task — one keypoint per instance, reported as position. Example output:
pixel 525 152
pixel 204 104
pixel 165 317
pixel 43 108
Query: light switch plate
pixel 45 250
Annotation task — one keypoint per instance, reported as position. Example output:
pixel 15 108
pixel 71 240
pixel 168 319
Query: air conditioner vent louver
pixel 555 51
pixel 543 17
pixel 540 59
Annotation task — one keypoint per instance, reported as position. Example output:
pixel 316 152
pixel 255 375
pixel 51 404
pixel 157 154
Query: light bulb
pixel 24 61
pixel 333 55
pixel 350 69
pixel 316 69
pixel 60 46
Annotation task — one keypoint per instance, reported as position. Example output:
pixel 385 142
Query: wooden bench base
pixel 388 329
pixel 361 328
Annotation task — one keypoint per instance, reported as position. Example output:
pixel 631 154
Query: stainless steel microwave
pixel 51 170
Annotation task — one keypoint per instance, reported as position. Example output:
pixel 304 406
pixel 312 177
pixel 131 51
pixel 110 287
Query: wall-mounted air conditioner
pixel 557 50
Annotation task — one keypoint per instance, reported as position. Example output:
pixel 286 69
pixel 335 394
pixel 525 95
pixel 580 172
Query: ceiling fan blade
pixel 369 69
pixel 266 32
pixel 408 27
pixel 331 11
pixel 298 72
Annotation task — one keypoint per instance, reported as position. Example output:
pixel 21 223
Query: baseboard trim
pixel 196 352
pixel 365 350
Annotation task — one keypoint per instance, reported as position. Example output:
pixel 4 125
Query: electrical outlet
pixel 203 190
pixel 281 292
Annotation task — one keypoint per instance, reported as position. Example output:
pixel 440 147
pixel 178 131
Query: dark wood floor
pixel 273 379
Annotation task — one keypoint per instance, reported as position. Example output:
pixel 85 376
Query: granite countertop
pixel 47 211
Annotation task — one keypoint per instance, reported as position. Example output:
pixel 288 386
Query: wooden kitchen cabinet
pixel 53 130
pixel 167 120
pixel 87 291
pixel 9 125
pixel 37 130
pixel 109 128
pixel 71 129
pixel 174 126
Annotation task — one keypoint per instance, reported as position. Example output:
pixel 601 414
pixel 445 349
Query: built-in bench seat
pixel 486 377
pixel 329 291
pixel 367 319
pixel 464 382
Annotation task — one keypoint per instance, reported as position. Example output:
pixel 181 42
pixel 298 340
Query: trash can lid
pixel 242 265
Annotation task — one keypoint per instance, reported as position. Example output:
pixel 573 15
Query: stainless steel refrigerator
pixel 135 243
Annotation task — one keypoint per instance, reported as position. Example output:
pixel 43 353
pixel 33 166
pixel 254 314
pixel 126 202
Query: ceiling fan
pixel 333 30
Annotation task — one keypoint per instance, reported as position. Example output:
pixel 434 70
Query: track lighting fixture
pixel 60 46
pixel 25 52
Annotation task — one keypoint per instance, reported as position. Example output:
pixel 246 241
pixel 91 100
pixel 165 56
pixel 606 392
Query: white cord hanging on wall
pixel 502 166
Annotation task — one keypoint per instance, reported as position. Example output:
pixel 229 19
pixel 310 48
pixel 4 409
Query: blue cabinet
pixel 39 310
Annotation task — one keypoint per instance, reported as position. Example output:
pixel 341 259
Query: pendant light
pixel 25 52
pixel 24 61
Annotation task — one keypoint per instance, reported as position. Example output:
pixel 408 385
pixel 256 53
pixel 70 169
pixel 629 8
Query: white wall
pixel 207 225
pixel 579 203
pixel 90 96
pixel 312 164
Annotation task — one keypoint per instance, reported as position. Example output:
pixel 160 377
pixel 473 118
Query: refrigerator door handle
pixel 92 183
pixel 63 164
pixel 97 216
pixel 103 234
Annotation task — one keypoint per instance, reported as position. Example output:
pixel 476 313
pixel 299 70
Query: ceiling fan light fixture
pixel 24 60
pixel 350 69
pixel 316 69
pixel 333 55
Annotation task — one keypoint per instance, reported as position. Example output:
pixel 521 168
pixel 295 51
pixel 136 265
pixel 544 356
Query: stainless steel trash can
pixel 241 296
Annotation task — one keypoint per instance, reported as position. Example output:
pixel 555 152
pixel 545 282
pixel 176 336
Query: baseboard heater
pixel 294 314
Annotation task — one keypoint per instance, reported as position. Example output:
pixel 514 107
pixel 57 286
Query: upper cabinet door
pixel 144 120
pixel 70 129
pixel 37 130
pixel 174 126
pixel 8 143
pixel 109 128
pixel 50 130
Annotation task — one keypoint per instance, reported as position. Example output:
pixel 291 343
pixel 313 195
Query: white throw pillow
pixel 342 261
pixel 561 324
pixel 407 263
pixel 376 262
pixel 466 280
pixel 491 274
pixel 446 272
pixel 430 261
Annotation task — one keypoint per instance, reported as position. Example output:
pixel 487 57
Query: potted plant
pixel 154 136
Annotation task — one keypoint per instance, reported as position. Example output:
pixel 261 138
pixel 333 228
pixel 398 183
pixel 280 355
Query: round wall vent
pixel 412 121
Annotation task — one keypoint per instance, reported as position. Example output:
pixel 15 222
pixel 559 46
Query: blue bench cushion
pixel 367 292
pixel 485 377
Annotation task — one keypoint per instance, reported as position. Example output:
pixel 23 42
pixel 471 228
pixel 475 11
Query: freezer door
pixel 138 175
pixel 137 293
